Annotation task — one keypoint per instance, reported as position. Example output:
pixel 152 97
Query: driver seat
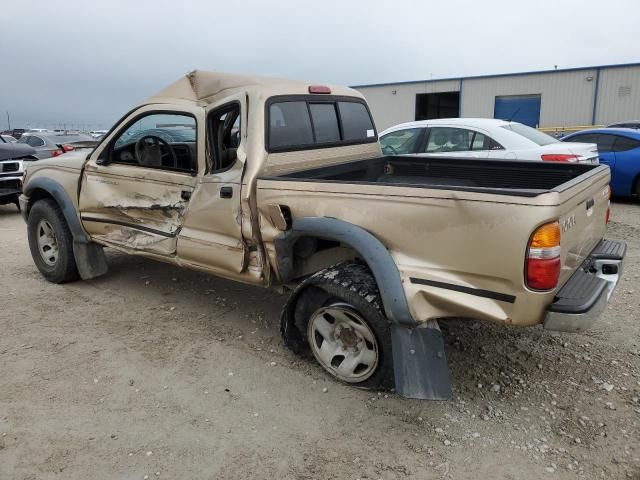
pixel 151 156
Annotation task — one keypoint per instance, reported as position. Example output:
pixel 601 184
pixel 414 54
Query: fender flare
pixel 60 195
pixel 90 259
pixel 374 253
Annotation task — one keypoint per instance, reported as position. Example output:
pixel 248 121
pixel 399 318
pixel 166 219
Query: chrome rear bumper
pixel 581 301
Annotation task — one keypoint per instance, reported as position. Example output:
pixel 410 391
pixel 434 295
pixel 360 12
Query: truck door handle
pixel 226 192
pixel 185 195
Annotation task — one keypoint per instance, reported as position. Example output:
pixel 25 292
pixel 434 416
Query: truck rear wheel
pixel 51 242
pixel 339 316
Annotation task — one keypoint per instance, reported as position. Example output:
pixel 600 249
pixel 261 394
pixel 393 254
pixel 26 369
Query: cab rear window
pixel 305 122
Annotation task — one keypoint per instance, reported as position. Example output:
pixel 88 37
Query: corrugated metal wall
pixel 618 95
pixel 567 96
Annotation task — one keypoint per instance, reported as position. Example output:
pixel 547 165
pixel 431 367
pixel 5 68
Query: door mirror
pixel 103 159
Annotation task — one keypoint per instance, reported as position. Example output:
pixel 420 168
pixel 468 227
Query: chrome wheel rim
pixel 47 243
pixel 343 343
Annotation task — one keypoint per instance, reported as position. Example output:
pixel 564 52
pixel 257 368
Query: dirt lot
pixel 152 371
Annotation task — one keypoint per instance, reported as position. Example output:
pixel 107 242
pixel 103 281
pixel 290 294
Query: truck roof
pixel 203 87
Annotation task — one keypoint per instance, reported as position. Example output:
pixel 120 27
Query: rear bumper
pixel 581 301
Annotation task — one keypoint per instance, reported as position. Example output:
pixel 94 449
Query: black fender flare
pixel 373 252
pixel 60 195
pixel 89 256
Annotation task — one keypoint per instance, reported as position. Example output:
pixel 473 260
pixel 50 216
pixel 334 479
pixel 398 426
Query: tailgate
pixel 582 222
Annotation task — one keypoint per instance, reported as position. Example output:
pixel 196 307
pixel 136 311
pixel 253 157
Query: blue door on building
pixel 518 108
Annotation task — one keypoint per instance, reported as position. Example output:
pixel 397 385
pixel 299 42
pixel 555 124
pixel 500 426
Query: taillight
pixel 543 258
pixel 68 148
pixel 559 157
pixel 57 153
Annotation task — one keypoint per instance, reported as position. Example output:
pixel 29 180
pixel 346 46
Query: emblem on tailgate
pixel 568 223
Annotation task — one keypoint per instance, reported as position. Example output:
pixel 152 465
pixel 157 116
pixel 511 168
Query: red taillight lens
pixel 543 273
pixel 57 153
pixel 559 157
pixel 319 89
pixel 67 148
pixel 543 267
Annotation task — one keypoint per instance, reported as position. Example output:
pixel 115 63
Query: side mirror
pixel 105 157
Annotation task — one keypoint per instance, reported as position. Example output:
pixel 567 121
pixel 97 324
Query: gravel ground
pixel 156 372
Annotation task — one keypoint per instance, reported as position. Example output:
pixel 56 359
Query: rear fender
pixel 373 252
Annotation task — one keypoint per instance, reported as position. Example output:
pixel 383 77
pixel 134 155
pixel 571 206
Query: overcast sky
pixel 86 63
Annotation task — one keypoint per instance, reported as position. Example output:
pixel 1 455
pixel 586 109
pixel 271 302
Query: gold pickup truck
pixel 279 183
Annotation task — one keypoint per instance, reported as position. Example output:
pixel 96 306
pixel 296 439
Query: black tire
pixel 64 267
pixel 353 284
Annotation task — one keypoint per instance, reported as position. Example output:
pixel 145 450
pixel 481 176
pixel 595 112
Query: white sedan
pixel 482 138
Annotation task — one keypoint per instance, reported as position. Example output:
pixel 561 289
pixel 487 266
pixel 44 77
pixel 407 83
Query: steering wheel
pixel 389 150
pixel 149 152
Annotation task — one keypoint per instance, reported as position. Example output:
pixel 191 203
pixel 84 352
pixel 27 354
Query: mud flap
pixel 90 259
pixel 420 363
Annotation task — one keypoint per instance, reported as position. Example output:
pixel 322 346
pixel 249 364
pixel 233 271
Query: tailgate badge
pixel 568 223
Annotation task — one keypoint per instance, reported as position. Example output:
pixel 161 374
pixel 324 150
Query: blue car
pixel 620 149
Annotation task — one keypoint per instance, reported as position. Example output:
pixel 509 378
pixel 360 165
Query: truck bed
pixel 506 177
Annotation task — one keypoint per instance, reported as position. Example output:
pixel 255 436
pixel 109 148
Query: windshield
pixel 532 134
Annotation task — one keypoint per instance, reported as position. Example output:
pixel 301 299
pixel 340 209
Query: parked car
pixel 620 149
pixel 378 247
pixel 9 139
pixel 52 144
pixel 13 160
pixel 17 132
pixel 481 138
pixel 98 134
pixel 629 124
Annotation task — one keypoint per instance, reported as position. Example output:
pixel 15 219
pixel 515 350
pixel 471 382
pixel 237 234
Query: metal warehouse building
pixel 551 100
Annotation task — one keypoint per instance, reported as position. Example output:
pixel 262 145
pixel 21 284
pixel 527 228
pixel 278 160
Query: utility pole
pixel 8 120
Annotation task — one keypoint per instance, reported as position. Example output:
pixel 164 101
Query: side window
pixel 623 144
pixel 482 142
pixel 223 129
pixel 325 122
pixel 447 139
pixel 34 141
pixel 158 140
pixel 605 143
pixel 400 142
pixel 586 138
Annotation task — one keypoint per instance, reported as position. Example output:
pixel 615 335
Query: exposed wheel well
pixel 36 195
pixel 312 254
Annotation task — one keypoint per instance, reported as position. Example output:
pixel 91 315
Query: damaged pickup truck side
pixel 279 183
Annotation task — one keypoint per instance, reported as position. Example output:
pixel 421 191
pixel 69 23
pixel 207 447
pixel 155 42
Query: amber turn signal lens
pixel 547 236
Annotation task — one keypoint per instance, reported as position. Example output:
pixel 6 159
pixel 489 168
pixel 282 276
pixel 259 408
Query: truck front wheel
pixel 339 315
pixel 51 242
